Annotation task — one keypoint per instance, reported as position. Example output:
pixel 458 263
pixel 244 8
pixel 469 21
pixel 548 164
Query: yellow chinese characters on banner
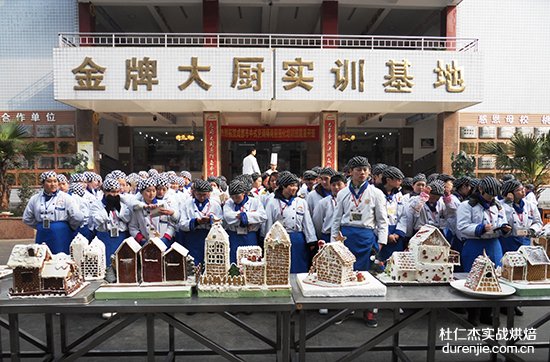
pixel 289 133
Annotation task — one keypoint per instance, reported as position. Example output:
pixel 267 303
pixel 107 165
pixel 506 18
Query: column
pixel 329 139
pixel 447 140
pixel 448 25
pixel 329 21
pixel 87 132
pixel 86 18
pixel 212 143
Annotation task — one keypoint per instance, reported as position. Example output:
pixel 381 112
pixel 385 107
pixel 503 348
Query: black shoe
pixel 518 311
pixel 486 316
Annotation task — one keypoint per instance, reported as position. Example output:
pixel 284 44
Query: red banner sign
pixel 281 134
pixel 329 145
pixel 211 144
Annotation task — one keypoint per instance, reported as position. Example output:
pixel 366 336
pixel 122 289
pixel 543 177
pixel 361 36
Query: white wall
pixel 515 44
pixel 109 130
pixel 426 128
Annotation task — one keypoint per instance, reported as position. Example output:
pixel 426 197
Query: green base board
pixel 244 293
pixel 529 290
pixel 137 292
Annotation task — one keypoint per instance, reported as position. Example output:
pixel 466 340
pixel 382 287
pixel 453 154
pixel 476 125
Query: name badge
pixel 46 223
pixel 523 232
pixel 242 230
pixel 356 216
pixel 114 232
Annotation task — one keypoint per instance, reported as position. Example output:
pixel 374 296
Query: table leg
pixel 496 320
pixel 50 343
pixel 63 333
pixel 302 335
pixel 150 337
pixel 431 335
pixel 396 317
pixel 285 342
pixel 14 337
pixel 171 343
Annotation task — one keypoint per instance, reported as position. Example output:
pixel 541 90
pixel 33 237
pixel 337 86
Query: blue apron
pixel 58 237
pixel 194 242
pixel 86 232
pixel 236 240
pixel 512 243
pixel 325 237
pixel 388 249
pixel 111 244
pixel 474 247
pixel 299 253
pixel 360 242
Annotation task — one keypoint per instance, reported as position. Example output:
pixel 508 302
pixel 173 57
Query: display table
pixel 433 301
pixel 128 311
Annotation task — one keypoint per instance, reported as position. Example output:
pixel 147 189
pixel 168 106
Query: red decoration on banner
pixel 211 145
pixel 282 134
pixel 330 140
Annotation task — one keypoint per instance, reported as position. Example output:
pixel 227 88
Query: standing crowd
pixel 377 209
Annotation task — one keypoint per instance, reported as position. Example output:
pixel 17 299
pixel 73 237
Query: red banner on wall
pixel 281 134
pixel 211 144
pixel 329 141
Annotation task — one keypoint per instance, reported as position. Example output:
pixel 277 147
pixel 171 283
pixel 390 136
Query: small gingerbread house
pixel 543 242
pixel 27 262
pixel 514 266
pixel 482 276
pixel 93 264
pixel 253 270
pixel 77 247
pixel 401 266
pixel 177 263
pixel 429 245
pixel 334 263
pixel 216 250
pixel 126 261
pixel 247 253
pixel 60 275
pixel 277 255
pixel 151 260
pixel 537 262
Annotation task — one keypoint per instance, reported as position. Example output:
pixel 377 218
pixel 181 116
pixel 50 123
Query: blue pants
pixel 474 247
pixel 388 249
pixel 360 242
pixel 111 244
pixel 512 243
pixel 58 237
pixel 236 240
pixel 299 253
pixel 194 242
pixel 325 237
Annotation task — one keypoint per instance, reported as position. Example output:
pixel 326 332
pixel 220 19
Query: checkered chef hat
pixel 143 184
pixel 62 178
pixel 510 186
pixel 378 168
pixel 462 181
pixel 437 187
pixel 89 176
pixel 186 174
pixel 118 174
pixel 474 182
pixel 201 185
pixel 214 179
pixel 162 180
pixel 237 187
pixel 180 181
pixel 358 161
pixel 393 173
pixel 152 172
pixel 310 175
pixel 77 177
pixel 327 171
pixel 444 177
pixel 490 185
pixel 143 174
pixel 246 180
pixel 46 175
pixel 419 177
pixel 111 184
pixel 171 173
pixel 507 176
pixel 432 177
pixel 286 179
pixel 97 177
pixel 407 182
pixel 77 188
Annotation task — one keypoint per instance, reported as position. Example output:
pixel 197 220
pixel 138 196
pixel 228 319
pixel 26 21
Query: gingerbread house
pixel 514 266
pixel 126 261
pixel 537 262
pixel 543 242
pixel 151 261
pixel 216 250
pixel 482 276
pixel 334 263
pixel 250 252
pixel 27 262
pixel 60 275
pixel 253 269
pixel 277 255
pixel 431 255
pixel 178 264
pixel 90 257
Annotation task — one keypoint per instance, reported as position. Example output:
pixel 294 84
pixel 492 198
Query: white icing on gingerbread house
pixel 277 255
pixel 537 262
pixel 514 266
pixel 482 276
pixel 334 264
pixel 401 266
pixel 216 252
pixel 247 253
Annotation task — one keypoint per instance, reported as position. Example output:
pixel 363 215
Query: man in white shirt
pixel 250 164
